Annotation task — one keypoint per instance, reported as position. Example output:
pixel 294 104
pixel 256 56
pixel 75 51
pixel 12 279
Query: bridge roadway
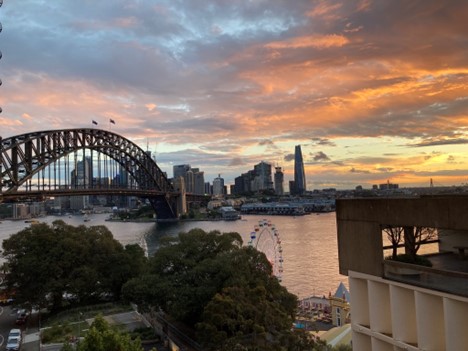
pixel 42 194
pixel 68 162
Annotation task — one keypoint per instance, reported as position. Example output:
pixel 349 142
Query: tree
pixel 226 291
pixel 415 237
pixel 185 273
pixel 102 337
pixel 394 235
pixel 44 262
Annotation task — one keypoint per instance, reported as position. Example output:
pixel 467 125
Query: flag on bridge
pixel 112 121
pixel 94 122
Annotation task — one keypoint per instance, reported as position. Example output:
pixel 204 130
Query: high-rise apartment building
pixel 253 181
pixel 262 180
pixel 299 174
pixel 218 186
pixel 279 179
pixel 398 306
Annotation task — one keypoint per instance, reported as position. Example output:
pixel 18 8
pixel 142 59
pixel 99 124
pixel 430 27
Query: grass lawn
pixel 72 323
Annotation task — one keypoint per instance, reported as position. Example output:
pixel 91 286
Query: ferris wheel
pixel 266 238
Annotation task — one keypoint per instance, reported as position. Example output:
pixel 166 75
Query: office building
pixel 299 174
pixel 218 186
pixel 262 179
pixel 398 306
pixel 254 181
pixel 279 180
pixel 81 178
pixel 180 170
pixel 193 178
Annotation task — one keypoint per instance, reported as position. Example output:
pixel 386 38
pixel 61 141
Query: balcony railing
pixel 426 277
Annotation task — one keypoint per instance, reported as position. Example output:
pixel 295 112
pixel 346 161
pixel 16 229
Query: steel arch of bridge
pixel 23 156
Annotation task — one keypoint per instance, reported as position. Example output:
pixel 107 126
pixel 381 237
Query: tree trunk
pixel 410 241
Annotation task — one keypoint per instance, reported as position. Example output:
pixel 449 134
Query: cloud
pixel 211 87
pixel 441 142
pixel 151 107
pixel 323 142
pixel 320 156
pixel 314 41
pixel 237 161
pixel 354 170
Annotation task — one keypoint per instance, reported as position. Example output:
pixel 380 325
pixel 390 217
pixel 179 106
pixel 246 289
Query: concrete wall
pixel 359 221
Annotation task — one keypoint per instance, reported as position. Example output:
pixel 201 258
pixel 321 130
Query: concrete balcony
pixel 448 274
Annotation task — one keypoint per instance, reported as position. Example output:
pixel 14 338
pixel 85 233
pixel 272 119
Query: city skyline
pixel 373 91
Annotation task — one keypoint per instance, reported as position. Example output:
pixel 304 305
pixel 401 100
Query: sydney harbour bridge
pixel 51 163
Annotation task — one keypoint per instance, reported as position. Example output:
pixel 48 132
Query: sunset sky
pixel 373 90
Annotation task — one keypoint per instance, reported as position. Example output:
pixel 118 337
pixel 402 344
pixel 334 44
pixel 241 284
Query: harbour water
pixel 309 243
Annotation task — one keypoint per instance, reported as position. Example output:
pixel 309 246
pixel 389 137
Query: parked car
pixel 15 333
pixel 22 317
pixel 13 343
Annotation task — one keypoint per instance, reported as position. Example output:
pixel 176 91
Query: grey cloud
pixel 323 142
pixel 289 157
pixel 321 156
pixel 432 142
pixel 354 170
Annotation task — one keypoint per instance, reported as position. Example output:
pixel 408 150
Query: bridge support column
pixel 181 204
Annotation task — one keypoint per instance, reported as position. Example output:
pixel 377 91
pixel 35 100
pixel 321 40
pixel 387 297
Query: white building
pixel 218 186
pixel 398 306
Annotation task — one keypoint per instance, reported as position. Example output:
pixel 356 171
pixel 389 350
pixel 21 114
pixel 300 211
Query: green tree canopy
pixel 102 337
pixel 225 290
pixel 44 262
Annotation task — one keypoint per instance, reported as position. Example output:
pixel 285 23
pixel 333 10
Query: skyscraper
pixel 279 178
pixel 299 175
pixel 218 186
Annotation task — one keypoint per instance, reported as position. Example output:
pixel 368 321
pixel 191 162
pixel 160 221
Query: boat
pixel 31 221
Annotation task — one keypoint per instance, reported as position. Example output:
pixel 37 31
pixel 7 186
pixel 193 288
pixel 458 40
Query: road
pixel 30 329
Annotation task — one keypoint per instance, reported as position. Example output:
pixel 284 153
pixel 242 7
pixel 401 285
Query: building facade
pixel 299 174
pixel 194 179
pixel 279 180
pixel 400 306
pixel 218 186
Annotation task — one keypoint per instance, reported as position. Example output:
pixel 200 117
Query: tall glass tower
pixel 299 175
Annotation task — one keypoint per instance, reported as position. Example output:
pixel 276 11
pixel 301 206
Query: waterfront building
pixel 340 308
pixel 299 174
pixel 401 306
pixel 228 213
pixel 273 208
pixel 279 179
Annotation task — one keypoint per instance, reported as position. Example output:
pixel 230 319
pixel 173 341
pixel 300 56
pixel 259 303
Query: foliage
pixel 147 333
pixel 57 333
pixel 102 337
pixel 226 291
pixel 416 259
pixel 81 263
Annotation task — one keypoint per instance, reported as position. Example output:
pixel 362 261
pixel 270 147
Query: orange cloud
pixel 315 41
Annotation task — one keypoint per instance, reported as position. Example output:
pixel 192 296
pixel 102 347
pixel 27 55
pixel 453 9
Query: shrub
pixel 417 259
